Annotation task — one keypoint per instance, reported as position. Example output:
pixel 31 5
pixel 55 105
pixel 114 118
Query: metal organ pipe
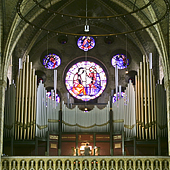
pixel 29 100
pixel 145 104
pixel 145 98
pixel 35 105
pixel 25 102
pixel 154 100
pixel 22 101
pixel 142 107
pixel 136 103
pixel 149 104
pixel 26 96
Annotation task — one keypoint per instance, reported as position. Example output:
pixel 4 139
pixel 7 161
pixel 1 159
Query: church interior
pixel 85 80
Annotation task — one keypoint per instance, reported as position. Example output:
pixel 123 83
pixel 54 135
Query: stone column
pixel 2 100
pixel 167 86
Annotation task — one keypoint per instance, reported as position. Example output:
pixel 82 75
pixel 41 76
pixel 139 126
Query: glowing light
pixel 86 43
pixel 85 80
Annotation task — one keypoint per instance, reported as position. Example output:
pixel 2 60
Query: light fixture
pixel 126 71
pixel 19 7
pixel 85 109
pixel 86 27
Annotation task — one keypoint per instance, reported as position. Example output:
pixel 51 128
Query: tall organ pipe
pixel 139 104
pixel 26 96
pixel 152 106
pixel 22 102
pixel 29 100
pixel 35 105
pixel 145 98
pixel 25 102
pixel 146 105
pixel 16 109
pixel 154 97
pixel 142 107
pixel 137 113
pixel 149 104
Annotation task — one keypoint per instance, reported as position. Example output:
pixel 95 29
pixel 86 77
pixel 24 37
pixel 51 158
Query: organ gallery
pixel 84 85
pixel 130 117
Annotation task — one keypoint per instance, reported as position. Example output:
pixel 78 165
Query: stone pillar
pixel 2 100
pixel 167 86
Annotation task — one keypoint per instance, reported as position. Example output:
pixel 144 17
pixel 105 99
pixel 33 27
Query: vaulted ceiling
pixel 138 27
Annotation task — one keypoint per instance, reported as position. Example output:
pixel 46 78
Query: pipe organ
pixel 141 112
pixel 145 102
pixel 9 111
pixel 47 112
pixel 161 111
pixel 124 116
pixel 76 120
pixel 25 113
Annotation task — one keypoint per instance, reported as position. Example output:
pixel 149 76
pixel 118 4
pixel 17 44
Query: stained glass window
pixel 48 94
pixel 86 43
pixel 85 80
pixel 114 97
pixel 120 60
pixel 51 61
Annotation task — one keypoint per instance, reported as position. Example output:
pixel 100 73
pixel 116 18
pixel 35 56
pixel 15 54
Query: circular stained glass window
pixel 51 61
pixel 86 43
pixel 85 80
pixel 120 60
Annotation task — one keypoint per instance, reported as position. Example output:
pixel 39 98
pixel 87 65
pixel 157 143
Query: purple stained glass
pixel 86 43
pixel 51 61
pixel 48 94
pixel 120 60
pixel 114 97
pixel 85 80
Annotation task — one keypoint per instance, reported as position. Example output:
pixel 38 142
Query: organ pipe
pixel 29 100
pixel 26 96
pixel 152 106
pixel 145 98
pixel 22 101
pixel 146 105
pixel 154 97
pixel 137 113
pixel 9 111
pixel 139 104
pixel 142 106
pixel 16 108
pixel 149 104
pixel 25 102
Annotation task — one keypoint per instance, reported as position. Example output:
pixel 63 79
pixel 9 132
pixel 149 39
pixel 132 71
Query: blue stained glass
pixel 120 60
pixel 86 83
pixel 51 61
pixel 114 97
pixel 86 43
pixel 48 94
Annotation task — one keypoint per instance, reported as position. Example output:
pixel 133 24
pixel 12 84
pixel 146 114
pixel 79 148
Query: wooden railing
pixel 85 163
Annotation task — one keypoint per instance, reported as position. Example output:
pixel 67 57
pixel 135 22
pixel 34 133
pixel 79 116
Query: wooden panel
pixel 67 148
pixel 102 137
pixel 68 137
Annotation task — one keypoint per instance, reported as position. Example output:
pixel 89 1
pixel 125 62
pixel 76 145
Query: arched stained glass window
pixel 51 61
pixel 85 80
pixel 120 60
pixel 86 43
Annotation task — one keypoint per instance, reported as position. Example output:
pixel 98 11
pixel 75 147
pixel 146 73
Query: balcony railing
pixel 86 163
